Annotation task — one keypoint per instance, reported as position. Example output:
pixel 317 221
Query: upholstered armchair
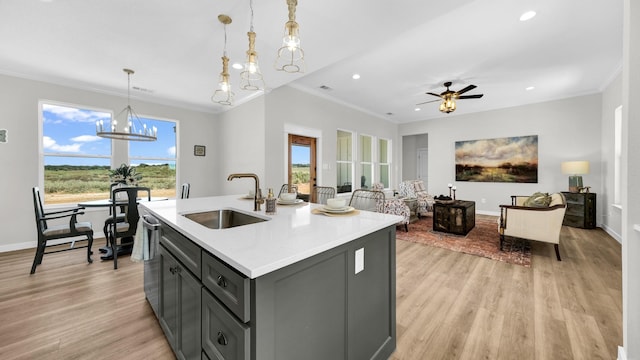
pixel 394 206
pixel 415 189
pixel 533 221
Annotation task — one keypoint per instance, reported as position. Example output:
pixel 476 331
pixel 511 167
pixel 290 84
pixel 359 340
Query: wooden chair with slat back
pixel 48 232
pixel 127 228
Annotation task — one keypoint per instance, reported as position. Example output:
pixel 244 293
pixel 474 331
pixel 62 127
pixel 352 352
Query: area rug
pixel 483 240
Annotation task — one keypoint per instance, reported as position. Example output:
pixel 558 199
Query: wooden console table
pixel 458 217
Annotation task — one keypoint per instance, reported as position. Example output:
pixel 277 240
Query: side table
pixel 412 203
pixel 457 217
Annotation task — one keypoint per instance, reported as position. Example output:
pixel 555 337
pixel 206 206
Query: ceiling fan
pixel 448 97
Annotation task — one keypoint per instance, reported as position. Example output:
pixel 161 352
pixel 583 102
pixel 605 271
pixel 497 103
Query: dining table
pixel 126 245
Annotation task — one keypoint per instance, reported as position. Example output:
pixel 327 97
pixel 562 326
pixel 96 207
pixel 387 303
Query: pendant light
pixel 290 55
pixel 223 95
pixel 134 129
pixel 251 78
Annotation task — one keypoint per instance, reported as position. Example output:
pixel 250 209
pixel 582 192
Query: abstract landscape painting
pixel 511 159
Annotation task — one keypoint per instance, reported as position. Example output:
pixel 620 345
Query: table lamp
pixel 575 169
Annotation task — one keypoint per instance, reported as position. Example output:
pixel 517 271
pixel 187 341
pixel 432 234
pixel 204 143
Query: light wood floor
pixel 449 305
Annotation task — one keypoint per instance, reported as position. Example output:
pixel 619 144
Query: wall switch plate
pixel 359 260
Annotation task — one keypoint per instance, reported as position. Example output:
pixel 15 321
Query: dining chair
pixel 185 188
pixel 323 193
pixel 126 228
pixel 48 232
pixel 367 200
pixel 119 217
pixel 285 188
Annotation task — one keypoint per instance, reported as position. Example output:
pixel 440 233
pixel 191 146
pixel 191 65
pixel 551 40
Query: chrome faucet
pixel 257 198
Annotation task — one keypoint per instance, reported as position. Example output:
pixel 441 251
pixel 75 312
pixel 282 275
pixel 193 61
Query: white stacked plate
pixel 340 210
pixel 289 202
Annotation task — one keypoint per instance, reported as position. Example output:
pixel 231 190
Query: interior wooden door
pixel 302 165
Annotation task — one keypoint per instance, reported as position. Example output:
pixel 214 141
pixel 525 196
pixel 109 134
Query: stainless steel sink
pixel 223 218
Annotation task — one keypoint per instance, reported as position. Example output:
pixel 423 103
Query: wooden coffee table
pixel 457 217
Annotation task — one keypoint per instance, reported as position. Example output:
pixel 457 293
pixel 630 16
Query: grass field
pixel 73 184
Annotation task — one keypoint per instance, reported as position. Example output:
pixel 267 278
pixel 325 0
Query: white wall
pixel 410 146
pixel 611 215
pixel 567 129
pixel 288 109
pixel 19 156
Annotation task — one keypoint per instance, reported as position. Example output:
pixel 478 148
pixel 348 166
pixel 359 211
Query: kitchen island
pixel 296 286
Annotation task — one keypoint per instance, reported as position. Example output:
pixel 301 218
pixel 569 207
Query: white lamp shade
pixel 575 167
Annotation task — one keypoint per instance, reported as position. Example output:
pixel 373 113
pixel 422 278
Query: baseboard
pixel 622 355
pixel 33 244
pixel 611 233
pixel 492 213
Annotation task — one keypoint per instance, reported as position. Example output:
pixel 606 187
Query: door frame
pixel 294 139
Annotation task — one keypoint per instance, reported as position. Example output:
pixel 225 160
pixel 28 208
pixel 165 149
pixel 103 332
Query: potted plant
pixel 125 174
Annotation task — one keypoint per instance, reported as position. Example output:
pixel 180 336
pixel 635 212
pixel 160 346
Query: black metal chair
pixel 185 188
pixel 285 188
pixel 323 193
pixel 126 228
pixel 119 217
pixel 48 232
pixel 367 200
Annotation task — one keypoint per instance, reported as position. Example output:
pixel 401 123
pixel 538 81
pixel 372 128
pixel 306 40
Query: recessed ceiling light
pixel 529 88
pixel 237 66
pixel 527 16
pixel 355 76
pixel 417 109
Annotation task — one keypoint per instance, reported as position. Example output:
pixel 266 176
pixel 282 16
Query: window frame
pixel 350 163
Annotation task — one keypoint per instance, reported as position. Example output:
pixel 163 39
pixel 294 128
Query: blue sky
pixel 300 154
pixel 72 131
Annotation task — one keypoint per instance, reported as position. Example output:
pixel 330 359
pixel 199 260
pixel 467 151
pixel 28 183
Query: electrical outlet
pixel 483 200
pixel 359 260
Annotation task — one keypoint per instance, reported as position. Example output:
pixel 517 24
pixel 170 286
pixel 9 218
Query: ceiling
pixel 401 49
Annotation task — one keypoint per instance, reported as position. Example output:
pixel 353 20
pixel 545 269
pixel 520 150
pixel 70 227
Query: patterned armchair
pixel 415 189
pixel 394 206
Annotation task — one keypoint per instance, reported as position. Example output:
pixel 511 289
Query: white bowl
pixel 336 203
pixel 288 196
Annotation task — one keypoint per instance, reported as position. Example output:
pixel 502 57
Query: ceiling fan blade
pixel 471 96
pixel 430 93
pixel 426 102
pixel 470 87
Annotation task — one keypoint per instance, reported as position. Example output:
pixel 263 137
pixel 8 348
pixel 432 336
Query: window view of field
pixel 300 176
pixel 73 184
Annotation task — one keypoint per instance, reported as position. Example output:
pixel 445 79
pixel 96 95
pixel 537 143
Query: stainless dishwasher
pixel 151 246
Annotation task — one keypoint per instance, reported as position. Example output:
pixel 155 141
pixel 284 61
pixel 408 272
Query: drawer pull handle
pixel 222 340
pixel 222 282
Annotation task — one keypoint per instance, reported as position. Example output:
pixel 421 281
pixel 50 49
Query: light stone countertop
pixel 291 235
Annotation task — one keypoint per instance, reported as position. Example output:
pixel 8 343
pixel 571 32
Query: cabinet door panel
pixel 223 337
pixel 227 285
pixel 189 309
pixel 168 296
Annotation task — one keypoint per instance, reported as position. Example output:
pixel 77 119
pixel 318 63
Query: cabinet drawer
pixel 223 336
pixel 185 250
pixel 230 287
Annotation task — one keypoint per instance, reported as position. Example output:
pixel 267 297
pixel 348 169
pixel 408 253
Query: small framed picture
pixel 199 150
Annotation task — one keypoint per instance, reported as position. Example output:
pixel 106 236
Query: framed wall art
pixel 510 159
pixel 199 150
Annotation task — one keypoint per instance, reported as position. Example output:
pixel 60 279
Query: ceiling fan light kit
pixel 134 129
pixel 449 97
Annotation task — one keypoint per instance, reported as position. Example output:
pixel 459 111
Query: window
pixel 76 162
pixel 384 161
pixel 344 162
pixel 156 161
pixel 366 161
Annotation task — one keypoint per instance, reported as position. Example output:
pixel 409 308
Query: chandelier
pixel 251 78
pixel 290 55
pixel 134 129
pixel 223 95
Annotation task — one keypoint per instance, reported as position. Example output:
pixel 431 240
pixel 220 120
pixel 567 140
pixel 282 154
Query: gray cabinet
pixel 328 306
pixel 180 306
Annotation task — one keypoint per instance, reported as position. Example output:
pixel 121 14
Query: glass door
pixel 302 165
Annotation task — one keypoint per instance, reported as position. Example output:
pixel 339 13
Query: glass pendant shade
pixel 223 95
pixel 448 104
pixel 291 56
pixel 251 78
pixel 134 129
